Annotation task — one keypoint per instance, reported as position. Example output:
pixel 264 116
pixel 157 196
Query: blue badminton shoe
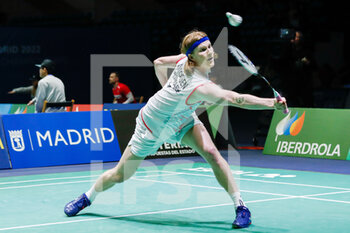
pixel 242 217
pixel 75 206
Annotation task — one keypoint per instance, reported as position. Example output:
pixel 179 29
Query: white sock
pixel 91 194
pixel 237 199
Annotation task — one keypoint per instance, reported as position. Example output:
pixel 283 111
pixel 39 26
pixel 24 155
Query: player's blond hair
pixel 190 39
pixel 186 43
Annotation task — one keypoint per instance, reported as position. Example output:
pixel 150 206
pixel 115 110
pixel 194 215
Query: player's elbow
pixel 131 97
pixel 158 62
pixel 223 97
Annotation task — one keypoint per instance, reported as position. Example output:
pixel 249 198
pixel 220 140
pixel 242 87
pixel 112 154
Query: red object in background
pixel 87 107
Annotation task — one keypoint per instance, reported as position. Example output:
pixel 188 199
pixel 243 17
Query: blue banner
pixel 49 139
pixel 4 154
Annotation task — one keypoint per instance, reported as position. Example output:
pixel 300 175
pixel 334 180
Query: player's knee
pixel 212 154
pixel 210 150
pixel 117 178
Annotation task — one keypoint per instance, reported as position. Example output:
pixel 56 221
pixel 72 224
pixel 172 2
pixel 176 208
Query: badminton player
pixel 169 116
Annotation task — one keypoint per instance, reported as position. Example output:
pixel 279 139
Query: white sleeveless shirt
pixel 169 110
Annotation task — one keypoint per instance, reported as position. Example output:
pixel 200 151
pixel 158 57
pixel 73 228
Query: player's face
pixel 113 78
pixel 204 54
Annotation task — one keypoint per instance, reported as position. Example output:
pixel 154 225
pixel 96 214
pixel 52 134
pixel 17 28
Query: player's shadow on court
pixel 179 221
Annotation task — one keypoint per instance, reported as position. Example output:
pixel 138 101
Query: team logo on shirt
pixel 17 141
pixel 178 81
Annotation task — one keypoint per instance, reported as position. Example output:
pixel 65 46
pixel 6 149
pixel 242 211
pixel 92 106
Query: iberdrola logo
pixel 290 126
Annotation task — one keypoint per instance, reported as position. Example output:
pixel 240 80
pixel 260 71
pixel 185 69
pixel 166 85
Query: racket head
pixel 243 59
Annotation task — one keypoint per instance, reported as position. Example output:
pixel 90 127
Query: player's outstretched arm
pixel 162 64
pixel 214 94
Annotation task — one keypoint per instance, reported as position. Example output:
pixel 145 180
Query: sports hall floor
pixel 284 194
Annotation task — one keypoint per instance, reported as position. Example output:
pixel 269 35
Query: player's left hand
pixel 280 104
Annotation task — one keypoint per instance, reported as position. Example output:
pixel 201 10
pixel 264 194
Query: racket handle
pixel 279 98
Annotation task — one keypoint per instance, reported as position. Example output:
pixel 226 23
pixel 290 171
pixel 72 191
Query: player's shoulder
pixel 181 60
pixel 124 88
pixel 43 80
pixel 207 87
pixel 122 85
pixel 48 78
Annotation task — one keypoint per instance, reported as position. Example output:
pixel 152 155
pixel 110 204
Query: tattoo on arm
pixel 240 100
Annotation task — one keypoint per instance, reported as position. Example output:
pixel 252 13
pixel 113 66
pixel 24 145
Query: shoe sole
pixel 238 227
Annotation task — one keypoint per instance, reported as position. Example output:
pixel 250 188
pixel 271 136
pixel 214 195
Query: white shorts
pixel 143 142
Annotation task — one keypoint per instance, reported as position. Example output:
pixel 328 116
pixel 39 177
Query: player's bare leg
pixel 199 139
pixel 126 167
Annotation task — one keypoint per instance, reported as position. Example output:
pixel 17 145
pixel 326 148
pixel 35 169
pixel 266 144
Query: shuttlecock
pixel 234 20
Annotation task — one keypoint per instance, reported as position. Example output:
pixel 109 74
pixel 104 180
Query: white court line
pixel 48 184
pixel 134 215
pixel 286 196
pixel 271 182
pixel 310 196
pixel 175 173
pixel 272 199
pixel 331 193
pixel 48 179
pixel 296 184
pixel 64 178
pixel 68 182
pixel 210 187
pixel 156 175
pixel 313 197
pixel 323 199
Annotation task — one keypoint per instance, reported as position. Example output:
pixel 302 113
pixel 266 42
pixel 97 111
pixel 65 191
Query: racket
pixel 250 67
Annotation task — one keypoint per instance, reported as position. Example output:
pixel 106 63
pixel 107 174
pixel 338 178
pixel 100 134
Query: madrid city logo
pixel 290 126
pixel 17 141
pixel 57 138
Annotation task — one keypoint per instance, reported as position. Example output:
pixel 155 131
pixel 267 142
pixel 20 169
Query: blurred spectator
pixel 298 70
pixel 326 76
pixel 28 89
pixel 50 88
pixel 121 92
pixel 295 15
pixel 343 76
